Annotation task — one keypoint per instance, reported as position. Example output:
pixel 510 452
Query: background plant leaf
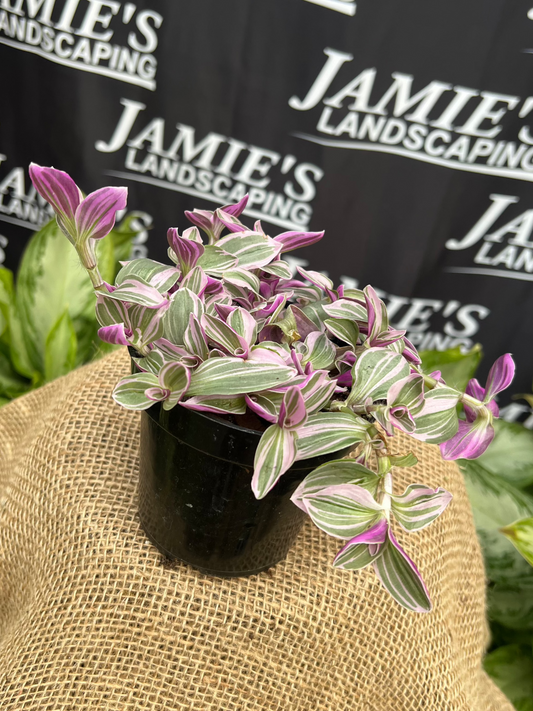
pixel 60 348
pixel 511 668
pixel 457 368
pixel 510 455
pixel 496 504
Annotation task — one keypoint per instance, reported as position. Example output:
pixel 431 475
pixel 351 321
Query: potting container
pixel 195 498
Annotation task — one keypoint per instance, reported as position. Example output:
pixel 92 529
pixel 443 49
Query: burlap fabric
pixel 91 617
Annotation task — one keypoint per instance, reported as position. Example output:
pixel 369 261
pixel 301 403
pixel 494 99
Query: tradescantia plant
pixel 226 329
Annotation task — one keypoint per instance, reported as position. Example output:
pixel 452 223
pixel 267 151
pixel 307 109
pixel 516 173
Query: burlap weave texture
pixel 92 618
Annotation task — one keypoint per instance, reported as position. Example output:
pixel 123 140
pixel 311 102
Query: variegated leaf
pixel 196 280
pixel 327 432
pixel 342 308
pixel 233 404
pixel 195 339
pixel 234 376
pixel 408 391
pixel 244 324
pixel 317 278
pixel 418 506
pixel 182 304
pixel 251 249
pixel 344 329
pixel 374 372
pixel 399 575
pixel 304 325
pixel 280 269
pixel 292 411
pixel 215 261
pixel 356 556
pixel 151 363
pixel 224 336
pixel 317 391
pixel 175 378
pixel 160 276
pixel 321 351
pixel 338 471
pixel 437 421
pixel 136 291
pixel 146 325
pixel 363 549
pixel 130 392
pixel 109 311
pixel 267 405
pixel 243 278
pixel 343 510
pixel 275 454
pixel 177 353
pixel 406 460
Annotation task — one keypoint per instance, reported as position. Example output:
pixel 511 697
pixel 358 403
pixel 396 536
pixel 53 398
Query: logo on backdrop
pixel 217 168
pixel 18 206
pixel 445 125
pixel 80 34
pixel 347 7
pixel 503 252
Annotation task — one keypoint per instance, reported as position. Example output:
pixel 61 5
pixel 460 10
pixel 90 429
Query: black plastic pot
pixel 195 498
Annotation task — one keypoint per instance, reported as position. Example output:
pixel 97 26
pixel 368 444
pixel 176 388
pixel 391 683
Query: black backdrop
pixel 402 127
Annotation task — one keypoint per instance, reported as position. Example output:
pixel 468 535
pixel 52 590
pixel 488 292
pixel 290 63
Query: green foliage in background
pixel 500 488
pixel 48 325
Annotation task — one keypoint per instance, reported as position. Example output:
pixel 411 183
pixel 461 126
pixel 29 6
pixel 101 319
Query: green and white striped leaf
pixel 130 392
pixel 315 312
pixel 344 510
pixel 280 269
pixel 267 405
pixel 244 324
pixel 151 363
pixel 215 261
pixel 234 376
pixel 134 290
pixel 251 249
pixel 419 506
pixel 408 392
pixel 146 324
pixel 196 280
pixel 405 460
pixel 109 311
pixel 275 454
pixel 316 278
pixel 373 374
pixel 176 378
pixel 243 278
pixel 344 309
pixel 356 556
pixel 400 577
pixel 317 391
pixel 344 329
pixel 363 549
pixel 232 404
pixel 222 335
pixel 338 471
pixel 321 353
pixel 194 339
pixel 160 276
pixel 327 432
pixel 176 320
pixel 437 421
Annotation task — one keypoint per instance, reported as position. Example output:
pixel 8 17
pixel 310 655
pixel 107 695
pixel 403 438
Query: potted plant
pixel 253 385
